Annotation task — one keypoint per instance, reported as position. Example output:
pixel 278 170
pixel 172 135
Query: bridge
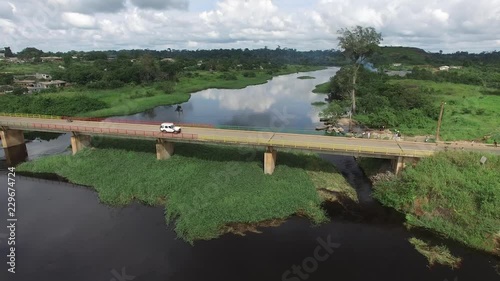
pixel 12 127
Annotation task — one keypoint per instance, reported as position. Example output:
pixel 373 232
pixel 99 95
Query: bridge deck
pixel 323 144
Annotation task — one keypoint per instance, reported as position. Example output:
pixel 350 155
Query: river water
pixel 64 233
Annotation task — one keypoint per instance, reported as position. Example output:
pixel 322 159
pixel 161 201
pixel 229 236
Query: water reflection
pixel 40 147
pixel 284 102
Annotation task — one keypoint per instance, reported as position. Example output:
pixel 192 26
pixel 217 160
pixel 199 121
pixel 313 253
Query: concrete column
pixel 398 164
pixel 79 142
pixel 164 149
pixel 14 146
pixel 269 160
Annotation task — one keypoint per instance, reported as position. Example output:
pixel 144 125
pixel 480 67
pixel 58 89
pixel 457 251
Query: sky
pixel 83 25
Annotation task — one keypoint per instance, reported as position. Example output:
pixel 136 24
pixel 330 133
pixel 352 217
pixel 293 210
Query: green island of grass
pixel 306 77
pixel 206 189
pixel 322 88
pixel 451 194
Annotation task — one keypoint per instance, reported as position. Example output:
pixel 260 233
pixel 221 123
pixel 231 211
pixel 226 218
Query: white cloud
pixel 117 24
pixel 79 20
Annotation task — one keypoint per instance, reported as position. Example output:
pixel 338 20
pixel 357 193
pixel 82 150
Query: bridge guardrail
pixel 96 130
pixel 103 119
pixel 320 146
pixel 266 129
pixel 41 116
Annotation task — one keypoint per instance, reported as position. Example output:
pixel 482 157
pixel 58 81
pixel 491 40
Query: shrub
pixel 249 74
pixel 228 76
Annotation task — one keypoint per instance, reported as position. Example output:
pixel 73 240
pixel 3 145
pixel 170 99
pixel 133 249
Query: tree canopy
pixel 359 42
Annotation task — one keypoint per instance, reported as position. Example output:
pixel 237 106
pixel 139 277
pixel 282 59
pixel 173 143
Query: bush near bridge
pixel 204 188
pixel 40 104
pixel 451 194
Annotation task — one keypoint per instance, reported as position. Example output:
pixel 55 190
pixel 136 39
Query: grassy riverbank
pixel 451 194
pixel 205 189
pixel 471 112
pixel 322 88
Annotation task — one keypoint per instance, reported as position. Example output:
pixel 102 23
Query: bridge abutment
pixel 14 146
pixel 269 160
pixel 164 149
pixel 398 164
pixel 79 142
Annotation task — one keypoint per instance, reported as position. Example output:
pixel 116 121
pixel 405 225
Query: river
pixel 64 233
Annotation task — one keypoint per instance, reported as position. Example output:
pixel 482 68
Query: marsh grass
pixel 451 194
pixel 436 254
pixel 322 88
pixel 206 189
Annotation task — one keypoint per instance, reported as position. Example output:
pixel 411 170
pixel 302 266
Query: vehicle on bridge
pixel 170 128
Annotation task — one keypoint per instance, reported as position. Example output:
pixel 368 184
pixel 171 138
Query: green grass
pixel 29 68
pixel 306 77
pixel 203 188
pixel 451 194
pixel 322 88
pixel 435 254
pixel 471 112
pixel 122 102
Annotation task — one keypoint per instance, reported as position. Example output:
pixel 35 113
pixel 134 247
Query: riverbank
pixel 450 194
pixel 206 190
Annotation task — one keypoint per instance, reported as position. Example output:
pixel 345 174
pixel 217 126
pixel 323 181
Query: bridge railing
pixel 271 130
pixel 98 130
pixel 103 119
pixel 330 147
pixel 41 116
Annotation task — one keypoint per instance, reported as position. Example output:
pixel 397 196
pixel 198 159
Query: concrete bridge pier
pixel 269 160
pixel 398 164
pixel 79 142
pixel 14 146
pixel 164 149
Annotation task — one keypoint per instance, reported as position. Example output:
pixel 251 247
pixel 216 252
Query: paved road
pixel 326 144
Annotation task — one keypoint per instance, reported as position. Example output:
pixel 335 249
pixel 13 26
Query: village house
pixel 6 89
pixel 51 84
pixel 51 59
pixel 41 76
pixel 14 60
pixel 25 83
pixel 444 68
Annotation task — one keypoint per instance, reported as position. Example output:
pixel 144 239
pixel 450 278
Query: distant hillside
pixel 403 55
pixel 409 56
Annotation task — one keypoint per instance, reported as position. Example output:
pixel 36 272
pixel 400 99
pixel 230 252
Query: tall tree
pixel 358 44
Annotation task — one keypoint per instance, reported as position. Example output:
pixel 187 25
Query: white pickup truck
pixel 169 128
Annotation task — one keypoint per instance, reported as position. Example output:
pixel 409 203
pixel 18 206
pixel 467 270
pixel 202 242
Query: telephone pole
pixel 439 121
